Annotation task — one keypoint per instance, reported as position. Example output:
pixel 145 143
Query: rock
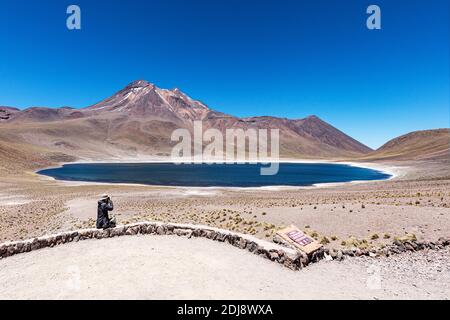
pixel 400 246
pixel 34 244
pixel 333 254
pixel 98 234
pixel 182 232
pixel 252 246
pixel 242 243
pixel 195 233
pixel 281 259
pixel 11 250
pixel 221 237
pixel 289 263
pixel 395 250
pixel 317 255
pixel 347 252
pixel 150 229
pixel 211 234
pixel 261 251
pixel 19 247
pixel 410 246
pixel 114 232
pixel 276 238
pixel 340 255
pixel 207 234
pixel 130 232
pixel 143 229
pixel 273 255
pixel 301 260
pixel 87 234
pixel 231 239
pixel 160 230
pixel 235 241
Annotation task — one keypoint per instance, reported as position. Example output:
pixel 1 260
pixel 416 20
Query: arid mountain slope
pixel 417 145
pixel 138 121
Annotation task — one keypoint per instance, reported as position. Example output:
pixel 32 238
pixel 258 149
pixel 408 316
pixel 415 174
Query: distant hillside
pixel 417 145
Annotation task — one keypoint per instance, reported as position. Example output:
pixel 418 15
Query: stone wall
pixel 279 253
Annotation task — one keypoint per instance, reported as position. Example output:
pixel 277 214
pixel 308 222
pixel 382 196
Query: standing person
pixel 105 204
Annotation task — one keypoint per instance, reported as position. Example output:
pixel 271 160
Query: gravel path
pixel 168 267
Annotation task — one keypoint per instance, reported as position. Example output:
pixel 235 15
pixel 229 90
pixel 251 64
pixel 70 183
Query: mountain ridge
pixel 138 120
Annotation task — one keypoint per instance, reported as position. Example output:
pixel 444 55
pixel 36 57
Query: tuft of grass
pixel 374 236
pixel 407 237
pixel 324 240
pixel 386 236
pixel 334 238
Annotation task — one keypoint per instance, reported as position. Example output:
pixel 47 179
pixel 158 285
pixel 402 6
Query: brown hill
pixel 417 145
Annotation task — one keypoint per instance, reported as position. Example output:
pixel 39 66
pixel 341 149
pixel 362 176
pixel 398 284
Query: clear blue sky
pixel 243 57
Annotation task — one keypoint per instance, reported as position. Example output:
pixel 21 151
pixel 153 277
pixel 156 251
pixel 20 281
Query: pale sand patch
pixel 82 208
pixel 169 267
pixel 13 200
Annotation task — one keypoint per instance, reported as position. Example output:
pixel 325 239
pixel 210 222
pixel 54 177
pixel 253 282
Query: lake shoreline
pixel 393 172
pixel 382 170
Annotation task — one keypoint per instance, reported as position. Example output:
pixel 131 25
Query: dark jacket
pixel 103 220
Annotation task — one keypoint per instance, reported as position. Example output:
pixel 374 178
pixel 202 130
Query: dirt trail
pixel 168 267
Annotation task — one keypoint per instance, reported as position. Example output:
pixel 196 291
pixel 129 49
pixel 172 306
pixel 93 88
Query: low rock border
pixel 276 252
pixel 397 247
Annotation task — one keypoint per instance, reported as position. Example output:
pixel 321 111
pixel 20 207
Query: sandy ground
pixel 365 214
pixel 371 214
pixel 169 267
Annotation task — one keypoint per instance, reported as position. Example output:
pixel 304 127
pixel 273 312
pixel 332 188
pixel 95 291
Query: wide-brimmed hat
pixel 104 196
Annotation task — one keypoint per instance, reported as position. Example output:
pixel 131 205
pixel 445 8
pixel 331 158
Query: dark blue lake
pixel 212 175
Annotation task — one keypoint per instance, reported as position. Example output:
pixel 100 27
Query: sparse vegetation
pixel 324 240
